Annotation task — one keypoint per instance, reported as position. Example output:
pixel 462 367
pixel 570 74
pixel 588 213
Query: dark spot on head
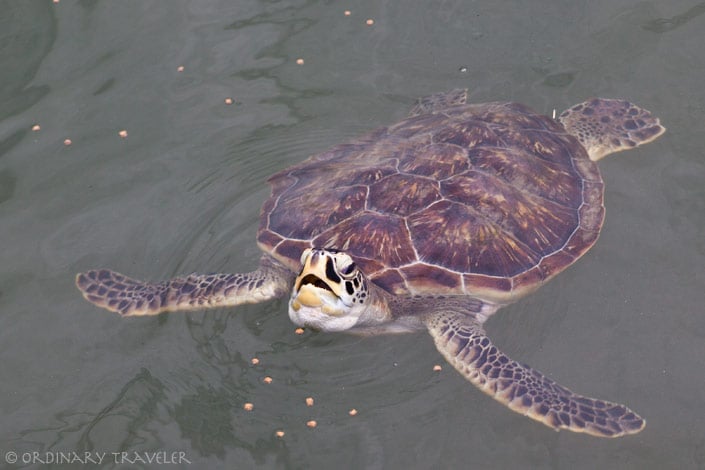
pixel 588 111
pixel 633 111
pixel 616 142
pixel 330 271
pixel 630 124
pixel 349 287
pixel 605 119
pixel 631 143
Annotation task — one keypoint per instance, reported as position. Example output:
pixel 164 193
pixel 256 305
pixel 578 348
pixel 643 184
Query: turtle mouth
pixel 316 282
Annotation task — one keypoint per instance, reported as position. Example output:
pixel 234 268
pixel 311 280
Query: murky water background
pixel 182 192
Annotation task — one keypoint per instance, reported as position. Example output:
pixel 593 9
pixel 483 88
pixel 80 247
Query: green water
pixel 182 192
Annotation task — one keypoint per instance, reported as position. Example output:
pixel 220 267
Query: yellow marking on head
pixel 308 297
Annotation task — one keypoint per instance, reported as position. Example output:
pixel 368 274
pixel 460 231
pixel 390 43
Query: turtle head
pixel 330 293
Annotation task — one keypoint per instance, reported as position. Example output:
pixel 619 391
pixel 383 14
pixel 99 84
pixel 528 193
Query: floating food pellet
pixel 67 142
pixel 352 412
pixel 228 101
pixel 369 22
pixel 309 401
pixel 347 13
pixel 36 127
pixel 180 68
pixel 299 61
pixel 279 433
pixel 122 133
pixel 437 368
pixel 248 407
pixel 312 424
pixel 299 331
pixel 254 361
pixel 267 380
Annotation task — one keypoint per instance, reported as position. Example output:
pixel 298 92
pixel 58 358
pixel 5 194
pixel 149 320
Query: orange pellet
pixel 299 331
pixel 299 61
pixel 309 401
pixel 122 133
pixel 279 433
pixel 312 424
pixel 228 101
pixel 180 68
pixel 254 361
pixel 67 142
pixel 267 380
pixel 36 127
pixel 370 22
pixel 347 13
pixel 437 368
pixel 352 412
pixel 248 407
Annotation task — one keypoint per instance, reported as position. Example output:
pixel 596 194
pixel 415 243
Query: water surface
pixel 182 192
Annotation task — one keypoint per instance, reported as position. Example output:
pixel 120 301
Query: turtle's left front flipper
pixel 130 297
pixel 463 342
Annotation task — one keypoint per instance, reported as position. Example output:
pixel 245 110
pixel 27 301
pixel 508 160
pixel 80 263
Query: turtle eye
pixel 348 269
pixel 345 265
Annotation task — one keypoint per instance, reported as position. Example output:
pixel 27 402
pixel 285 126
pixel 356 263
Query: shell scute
pixel 548 180
pixel 371 235
pixel 463 241
pixel 321 209
pixel 438 161
pixel 402 194
pixel 467 134
pixel 536 223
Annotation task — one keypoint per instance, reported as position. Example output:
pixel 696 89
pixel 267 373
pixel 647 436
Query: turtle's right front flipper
pixel 462 341
pixel 128 297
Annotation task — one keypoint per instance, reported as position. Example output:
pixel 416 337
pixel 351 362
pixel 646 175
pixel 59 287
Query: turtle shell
pixel 488 200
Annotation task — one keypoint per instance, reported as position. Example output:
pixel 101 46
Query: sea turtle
pixel 431 223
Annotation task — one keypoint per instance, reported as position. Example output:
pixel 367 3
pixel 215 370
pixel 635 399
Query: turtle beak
pixel 315 297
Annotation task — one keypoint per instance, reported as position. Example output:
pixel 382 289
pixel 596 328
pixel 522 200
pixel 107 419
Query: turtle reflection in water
pixel 432 223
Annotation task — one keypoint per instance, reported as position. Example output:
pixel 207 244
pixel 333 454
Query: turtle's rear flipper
pixel 128 297
pixel 464 344
pixel 431 103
